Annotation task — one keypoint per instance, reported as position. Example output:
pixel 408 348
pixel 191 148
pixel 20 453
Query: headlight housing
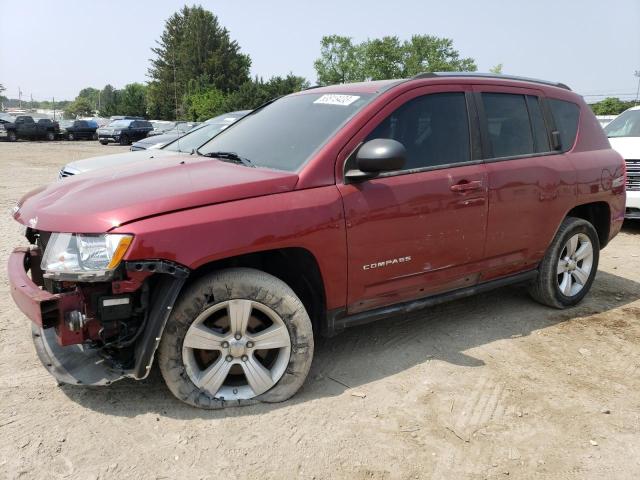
pixel 117 132
pixel 80 257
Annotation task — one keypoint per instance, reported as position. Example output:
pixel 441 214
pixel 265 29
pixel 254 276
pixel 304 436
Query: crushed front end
pixel 95 317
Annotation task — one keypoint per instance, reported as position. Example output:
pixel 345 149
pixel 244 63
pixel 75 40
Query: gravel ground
pixel 488 387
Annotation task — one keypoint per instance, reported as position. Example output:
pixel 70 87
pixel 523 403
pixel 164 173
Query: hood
pixel 155 139
pixel 628 147
pixel 113 160
pixel 97 202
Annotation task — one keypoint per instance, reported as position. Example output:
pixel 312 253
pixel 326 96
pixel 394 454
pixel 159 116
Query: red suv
pixel 327 208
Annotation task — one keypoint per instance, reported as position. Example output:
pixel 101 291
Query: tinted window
pixel 434 129
pixel 566 115
pixel 286 133
pixel 540 135
pixel 508 124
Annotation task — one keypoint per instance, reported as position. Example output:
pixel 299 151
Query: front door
pixel 420 230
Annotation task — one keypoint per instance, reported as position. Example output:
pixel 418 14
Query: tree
pixel 109 101
pixel 194 54
pixel 496 69
pixel 91 95
pixel 610 106
pixel 132 100
pixel 80 107
pixel 340 61
pixel 343 61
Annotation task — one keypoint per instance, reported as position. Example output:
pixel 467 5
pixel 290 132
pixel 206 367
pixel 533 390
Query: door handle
pixel 466 186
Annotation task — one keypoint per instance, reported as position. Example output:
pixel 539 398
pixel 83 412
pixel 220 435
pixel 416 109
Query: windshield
pixel 120 123
pixel 66 123
pixel 627 124
pixel 284 134
pixel 192 140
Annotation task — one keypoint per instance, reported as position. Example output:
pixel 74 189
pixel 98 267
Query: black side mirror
pixel 376 156
pixel 556 143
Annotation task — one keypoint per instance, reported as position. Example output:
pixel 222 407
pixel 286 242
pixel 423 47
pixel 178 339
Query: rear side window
pixel 566 115
pixel 433 128
pixel 510 132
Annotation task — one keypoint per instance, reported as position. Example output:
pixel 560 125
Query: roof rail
pixel 488 75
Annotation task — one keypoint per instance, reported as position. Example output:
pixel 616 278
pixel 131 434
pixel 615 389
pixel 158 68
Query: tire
pixel 124 140
pixel 103 142
pixel 11 136
pixel 94 136
pixel 259 295
pixel 50 136
pixel 70 137
pixel 566 272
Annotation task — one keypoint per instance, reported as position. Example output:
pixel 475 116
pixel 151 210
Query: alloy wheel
pixel 237 349
pixel 575 265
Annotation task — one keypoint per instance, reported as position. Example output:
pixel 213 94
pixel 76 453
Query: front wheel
pixel 569 267
pixel 71 137
pixel 50 136
pixel 12 136
pixel 94 136
pixel 124 140
pixel 236 337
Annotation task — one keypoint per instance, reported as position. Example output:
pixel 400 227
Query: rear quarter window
pixel 566 116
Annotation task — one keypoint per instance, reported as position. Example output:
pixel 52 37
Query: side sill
pixel 337 320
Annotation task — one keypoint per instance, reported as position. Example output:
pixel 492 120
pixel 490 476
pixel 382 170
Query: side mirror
pixel 376 156
pixel 556 143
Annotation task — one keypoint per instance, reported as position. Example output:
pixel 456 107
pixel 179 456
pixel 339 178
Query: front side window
pixel 508 124
pixel 286 133
pixel 433 128
pixel 627 124
pixel 566 115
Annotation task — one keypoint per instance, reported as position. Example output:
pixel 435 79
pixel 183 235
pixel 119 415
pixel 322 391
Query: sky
pixel 54 48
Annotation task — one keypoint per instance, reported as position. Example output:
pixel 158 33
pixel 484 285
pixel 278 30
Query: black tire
pixel 103 142
pixel 94 136
pixel 70 137
pixel 237 283
pixel 11 136
pixel 124 140
pixel 545 289
pixel 50 136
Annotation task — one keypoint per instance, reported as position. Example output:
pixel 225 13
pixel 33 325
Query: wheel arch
pixel 597 214
pixel 295 266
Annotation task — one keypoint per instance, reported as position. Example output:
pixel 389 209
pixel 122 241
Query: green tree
pixel 203 105
pixel 610 106
pixel 91 95
pixel 195 53
pixel 340 61
pixel 132 100
pixel 343 61
pixel 80 107
pixel 496 69
pixel 109 101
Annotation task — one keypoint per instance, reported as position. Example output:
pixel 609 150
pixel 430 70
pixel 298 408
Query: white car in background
pixel 185 144
pixel 624 136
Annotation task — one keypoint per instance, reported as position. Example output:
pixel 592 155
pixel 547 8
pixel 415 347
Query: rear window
pixel 566 115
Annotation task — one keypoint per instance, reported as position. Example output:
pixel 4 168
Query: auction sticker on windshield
pixel 335 99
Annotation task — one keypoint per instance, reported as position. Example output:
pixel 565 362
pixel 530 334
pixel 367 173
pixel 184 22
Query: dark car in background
pixel 161 127
pixel 28 128
pixel 124 131
pixel 79 129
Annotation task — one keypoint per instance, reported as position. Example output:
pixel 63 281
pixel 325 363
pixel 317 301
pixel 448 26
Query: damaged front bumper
pixel 67 358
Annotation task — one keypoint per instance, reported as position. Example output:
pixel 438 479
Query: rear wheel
pixel 236 337
pixel 71 137
pixel 569 266
pixel 94 136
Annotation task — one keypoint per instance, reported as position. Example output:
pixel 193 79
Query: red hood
pixel 98 201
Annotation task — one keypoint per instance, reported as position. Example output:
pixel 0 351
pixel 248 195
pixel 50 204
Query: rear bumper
pixel 41 307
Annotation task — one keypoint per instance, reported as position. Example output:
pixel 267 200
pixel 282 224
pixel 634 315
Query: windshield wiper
pixel 229 157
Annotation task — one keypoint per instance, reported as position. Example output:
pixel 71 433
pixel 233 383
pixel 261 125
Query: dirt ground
pixel 494 386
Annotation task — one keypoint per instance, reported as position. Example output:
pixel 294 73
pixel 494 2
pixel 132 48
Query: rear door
pixel 419 230
pixel 531 186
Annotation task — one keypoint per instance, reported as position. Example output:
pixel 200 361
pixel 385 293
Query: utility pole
pixel 637 74
pixel 19 98
pixel 175 85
